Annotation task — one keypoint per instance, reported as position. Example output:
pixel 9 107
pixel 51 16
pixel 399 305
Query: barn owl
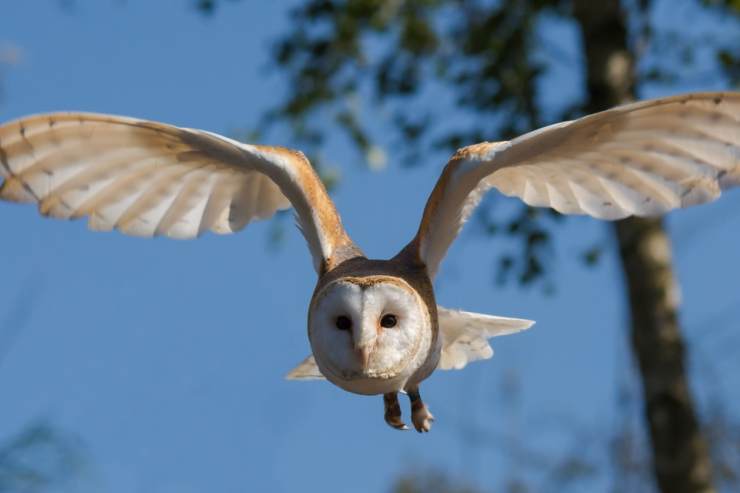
pixel 374 326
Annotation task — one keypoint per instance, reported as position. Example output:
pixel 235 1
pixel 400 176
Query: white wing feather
pixel 465 335
pixel 149 179
pixel 306 370
pixel 639 159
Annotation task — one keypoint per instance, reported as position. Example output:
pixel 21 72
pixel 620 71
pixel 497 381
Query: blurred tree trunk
pixel 680 455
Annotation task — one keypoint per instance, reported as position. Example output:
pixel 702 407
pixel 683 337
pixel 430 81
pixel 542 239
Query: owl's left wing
pixel 465 335
pixel 147 179
pixel 641 159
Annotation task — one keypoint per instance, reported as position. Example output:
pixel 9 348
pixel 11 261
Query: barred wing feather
pixel 148 179
pixel 640 159
pixel 465 335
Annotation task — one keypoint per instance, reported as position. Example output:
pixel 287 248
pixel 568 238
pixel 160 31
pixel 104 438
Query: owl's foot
pixel 420 415
pixel 393 411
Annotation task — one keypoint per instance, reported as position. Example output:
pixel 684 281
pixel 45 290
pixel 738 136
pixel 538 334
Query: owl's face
pixel 368 333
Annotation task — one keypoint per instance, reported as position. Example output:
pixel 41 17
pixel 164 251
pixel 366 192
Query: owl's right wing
pixel 640 159
pixel 147 179
pixel 306 370
pixel 465 335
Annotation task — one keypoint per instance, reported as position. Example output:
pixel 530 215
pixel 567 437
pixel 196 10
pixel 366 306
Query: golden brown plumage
pixel 374 325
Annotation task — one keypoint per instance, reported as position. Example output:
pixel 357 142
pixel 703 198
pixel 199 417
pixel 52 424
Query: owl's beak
pixel 365 337
pixel 363 353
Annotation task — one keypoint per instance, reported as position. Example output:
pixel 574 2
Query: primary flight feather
pixel 374 325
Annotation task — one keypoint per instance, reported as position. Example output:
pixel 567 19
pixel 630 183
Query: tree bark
pixel 681 462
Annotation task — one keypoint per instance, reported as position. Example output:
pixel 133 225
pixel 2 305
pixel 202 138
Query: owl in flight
pixel 374 325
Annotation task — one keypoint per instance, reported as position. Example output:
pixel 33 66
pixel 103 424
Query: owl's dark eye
pixel 343 322
pixel 388 321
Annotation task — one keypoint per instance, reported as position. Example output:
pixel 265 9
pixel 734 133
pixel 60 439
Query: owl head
pixel 369 334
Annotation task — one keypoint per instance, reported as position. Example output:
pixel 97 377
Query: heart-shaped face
pixel 368 329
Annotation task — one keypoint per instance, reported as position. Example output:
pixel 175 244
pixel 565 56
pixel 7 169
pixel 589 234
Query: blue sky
pixel 167 358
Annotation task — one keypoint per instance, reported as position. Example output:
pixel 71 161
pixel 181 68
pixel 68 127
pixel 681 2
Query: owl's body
pixel 374 325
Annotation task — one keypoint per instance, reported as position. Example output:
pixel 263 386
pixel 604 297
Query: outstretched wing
pixel 147 179
pixel 465 335
pixel 306 370
pixel 639 159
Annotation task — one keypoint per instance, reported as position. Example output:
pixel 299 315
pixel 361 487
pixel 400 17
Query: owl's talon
pixel 393 412
pixel 422 419
pixel 420 415
pixel 396 422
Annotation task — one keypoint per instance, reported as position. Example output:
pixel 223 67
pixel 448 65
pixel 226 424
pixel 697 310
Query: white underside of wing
pixel 125 175
pixel 465 335
pixel 306 370
pixel 641 159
